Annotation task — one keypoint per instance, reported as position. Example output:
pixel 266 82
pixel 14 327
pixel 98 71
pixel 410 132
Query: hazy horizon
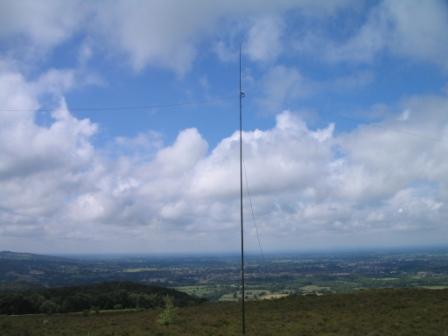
pixel 249 254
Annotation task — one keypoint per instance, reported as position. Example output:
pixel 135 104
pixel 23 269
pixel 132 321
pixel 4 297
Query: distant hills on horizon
pixel 11 255
pixel 19 255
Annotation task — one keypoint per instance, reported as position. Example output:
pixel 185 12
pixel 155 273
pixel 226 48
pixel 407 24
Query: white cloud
pixel 40 167
pixel 402 28
pixel 213 175
pixel 188 149
pixel 167 33
pixel 43 24
pixel 264 39
pixel 156 33
pixel 143 146
pixel 420 31
pixel 55 81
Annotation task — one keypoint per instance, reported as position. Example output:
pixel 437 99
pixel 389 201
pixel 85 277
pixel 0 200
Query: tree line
pixel 104 296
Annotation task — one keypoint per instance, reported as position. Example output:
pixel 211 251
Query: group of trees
pixel 93 297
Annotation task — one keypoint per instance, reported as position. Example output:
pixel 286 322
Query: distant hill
pixel 21 256
pixel 20 271
pixel 104 296
pixel 27 270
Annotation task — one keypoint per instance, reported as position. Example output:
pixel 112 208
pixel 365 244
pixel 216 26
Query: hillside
pixel 371 312
pixel 23 256
pixel 111 295
pixel 20 270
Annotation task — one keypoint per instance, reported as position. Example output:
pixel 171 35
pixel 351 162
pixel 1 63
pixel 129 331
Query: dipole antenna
pixel 243 310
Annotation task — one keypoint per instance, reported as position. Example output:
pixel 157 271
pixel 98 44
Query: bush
pixel 48 307
pixel 168 315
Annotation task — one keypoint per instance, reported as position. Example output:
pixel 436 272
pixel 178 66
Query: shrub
pixel 48 307
pixel 168 315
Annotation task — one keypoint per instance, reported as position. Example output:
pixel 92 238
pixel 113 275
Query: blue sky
pixel 118 119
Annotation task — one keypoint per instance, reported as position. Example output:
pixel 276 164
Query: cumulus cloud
pixel 390 176
pixel 40 167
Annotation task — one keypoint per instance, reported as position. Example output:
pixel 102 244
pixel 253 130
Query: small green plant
pixel 169 313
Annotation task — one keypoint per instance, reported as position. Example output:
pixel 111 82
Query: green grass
pixel 393 312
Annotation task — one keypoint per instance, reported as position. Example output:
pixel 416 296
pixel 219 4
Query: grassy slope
pixel 374 312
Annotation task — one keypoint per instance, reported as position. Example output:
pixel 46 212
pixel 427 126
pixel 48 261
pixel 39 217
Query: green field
pixel 232 293
pixel 199 290
pixel 368 312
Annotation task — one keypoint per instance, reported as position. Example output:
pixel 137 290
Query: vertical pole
pixel 243 311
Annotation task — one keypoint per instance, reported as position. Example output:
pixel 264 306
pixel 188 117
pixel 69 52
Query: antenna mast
pixel 243 311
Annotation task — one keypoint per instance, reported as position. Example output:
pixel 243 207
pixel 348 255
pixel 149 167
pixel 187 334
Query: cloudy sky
pixel 118 124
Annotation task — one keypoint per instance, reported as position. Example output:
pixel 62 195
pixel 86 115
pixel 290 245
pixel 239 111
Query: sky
pixel 119 120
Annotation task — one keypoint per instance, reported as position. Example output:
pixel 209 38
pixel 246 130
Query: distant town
pixel 216 278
